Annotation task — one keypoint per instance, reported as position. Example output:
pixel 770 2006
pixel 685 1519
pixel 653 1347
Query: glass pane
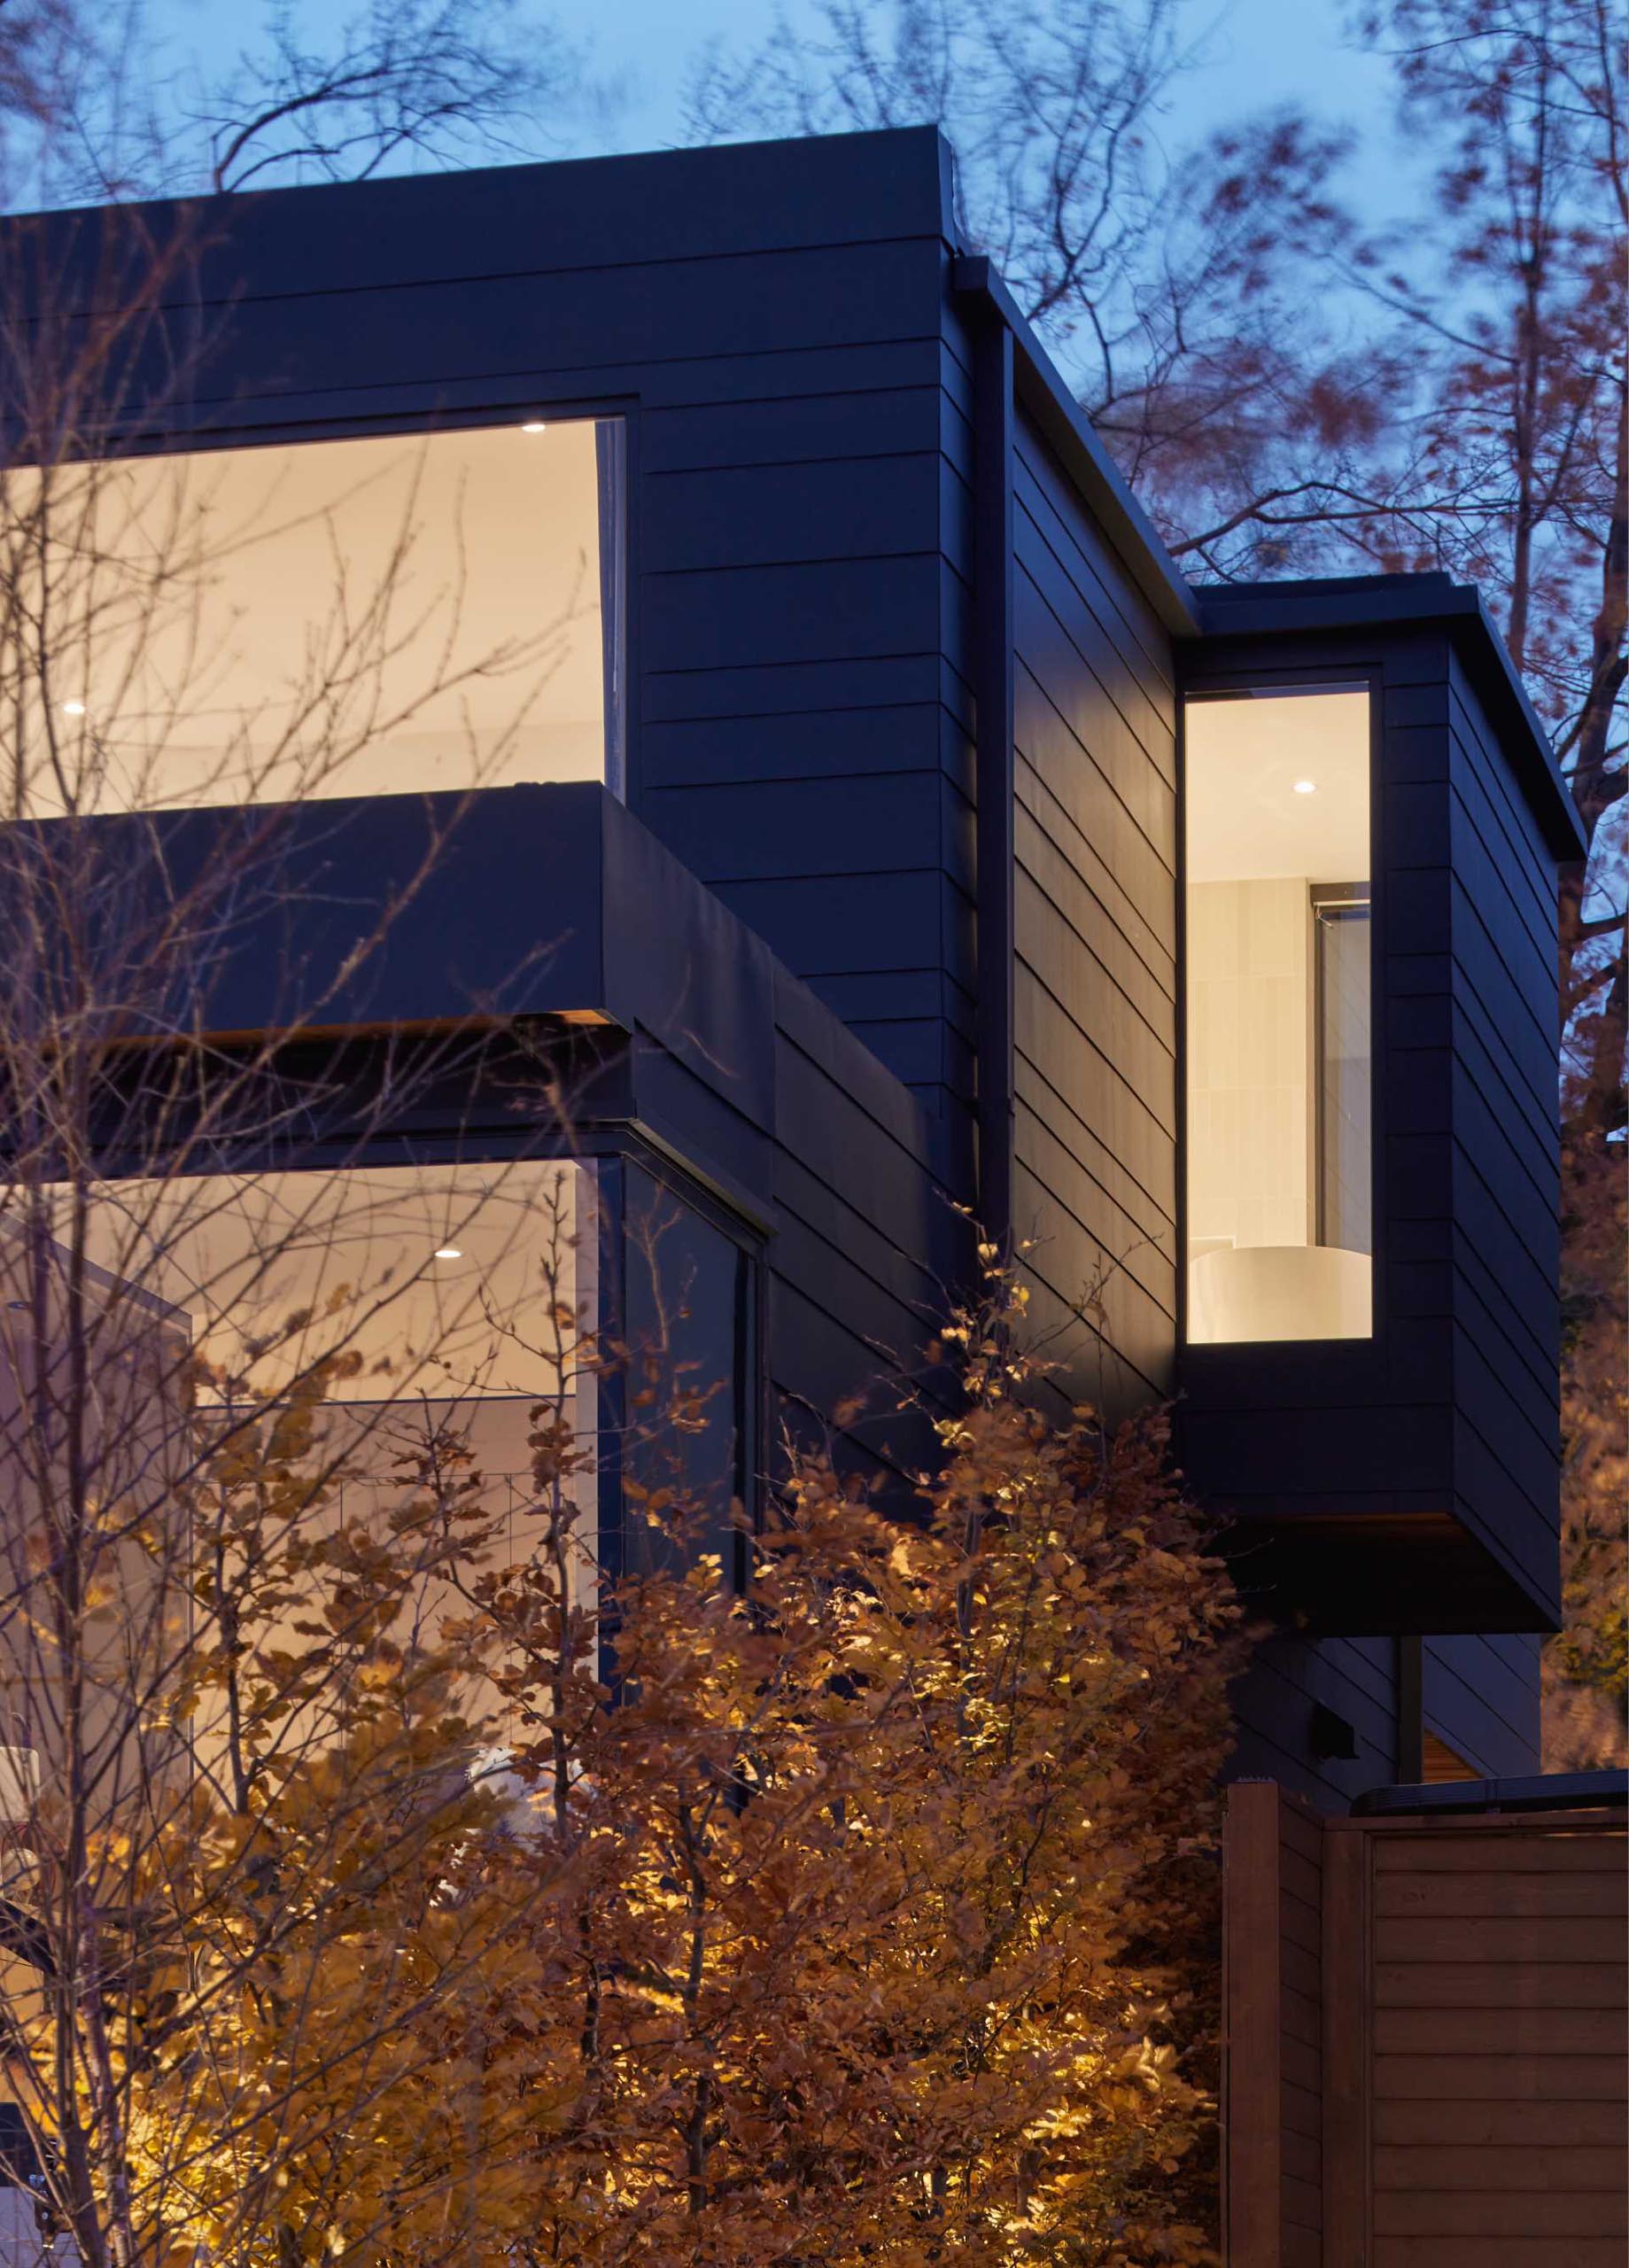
pixel 382 615
pixel 686 1321
pixel 413 1302
pixel 1277 995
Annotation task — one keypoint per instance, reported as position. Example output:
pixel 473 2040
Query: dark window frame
pixel 1216 676
pixel 423 418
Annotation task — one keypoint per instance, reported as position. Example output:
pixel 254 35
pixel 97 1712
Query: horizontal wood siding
pixel 1493 2139
pixel 1094 995
pixel 1427 2048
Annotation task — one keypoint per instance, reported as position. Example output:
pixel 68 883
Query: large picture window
pixel 286 1356
pixel 158 1334
pixel 381 614
pixel 1277 991
pixel 406 1296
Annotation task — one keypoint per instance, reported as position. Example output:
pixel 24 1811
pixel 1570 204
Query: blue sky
pixel 1258 53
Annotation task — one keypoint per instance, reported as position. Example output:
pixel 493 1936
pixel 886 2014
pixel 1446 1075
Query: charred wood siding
pixel 1095 923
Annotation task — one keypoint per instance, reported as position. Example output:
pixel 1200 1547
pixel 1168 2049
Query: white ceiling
pixel 1245 821
pixel 442 589
pixel 354 1254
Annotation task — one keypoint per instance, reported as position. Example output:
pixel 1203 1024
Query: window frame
pixel 601 1152
pixel 1218 677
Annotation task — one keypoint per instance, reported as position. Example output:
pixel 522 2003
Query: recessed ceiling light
pixel 1305 786
pixel 448 1252
pixel 72 708
pixel 534 426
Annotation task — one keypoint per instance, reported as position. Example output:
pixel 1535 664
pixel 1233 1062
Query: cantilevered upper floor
pixel 1206 937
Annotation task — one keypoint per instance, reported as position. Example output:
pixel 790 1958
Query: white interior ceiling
pixel 1246 821
pixel 356 1252
pixel 439 592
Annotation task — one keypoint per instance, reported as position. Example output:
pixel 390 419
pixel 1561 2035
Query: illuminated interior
pixel 376 616
pixel 420 1296
pixel 1279 1170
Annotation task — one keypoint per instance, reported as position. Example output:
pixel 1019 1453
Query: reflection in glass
pixel 686 1291
pixel 1277 997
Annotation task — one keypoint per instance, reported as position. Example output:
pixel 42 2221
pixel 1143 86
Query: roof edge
pixel 1372 602
pixel 1044 394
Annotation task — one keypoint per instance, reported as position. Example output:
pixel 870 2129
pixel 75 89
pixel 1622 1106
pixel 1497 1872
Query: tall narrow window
pixel 686 1319
pixel 1276 991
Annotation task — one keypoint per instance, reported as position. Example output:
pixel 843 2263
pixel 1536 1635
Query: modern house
pixel 893 837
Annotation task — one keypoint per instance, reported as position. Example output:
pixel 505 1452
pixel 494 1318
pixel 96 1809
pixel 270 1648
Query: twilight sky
pixel 1258 53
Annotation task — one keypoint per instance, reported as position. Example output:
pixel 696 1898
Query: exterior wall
pixel 864 1241
pixel 1289 1677
pixel 1495 1084
pixel 1095 924
pixel 1480 1695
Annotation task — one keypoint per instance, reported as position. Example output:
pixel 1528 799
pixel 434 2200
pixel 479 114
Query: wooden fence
pixel 1426 2037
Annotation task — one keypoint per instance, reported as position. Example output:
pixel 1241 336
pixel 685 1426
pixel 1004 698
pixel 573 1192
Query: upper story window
pixel 309 1345
pixel 1278 989
pixel 382 615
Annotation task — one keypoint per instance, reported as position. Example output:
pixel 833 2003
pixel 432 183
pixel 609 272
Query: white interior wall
pixel 1249 1064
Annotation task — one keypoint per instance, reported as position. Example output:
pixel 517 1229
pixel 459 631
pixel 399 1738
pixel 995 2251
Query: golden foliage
pixel 865 1916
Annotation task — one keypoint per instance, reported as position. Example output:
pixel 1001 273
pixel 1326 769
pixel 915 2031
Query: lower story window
pixel 393 1309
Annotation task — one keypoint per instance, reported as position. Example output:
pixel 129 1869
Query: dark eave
pixel 1358 603
pixel 1547 1792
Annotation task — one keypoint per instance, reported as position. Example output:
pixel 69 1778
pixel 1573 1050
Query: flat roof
pixel 1384 601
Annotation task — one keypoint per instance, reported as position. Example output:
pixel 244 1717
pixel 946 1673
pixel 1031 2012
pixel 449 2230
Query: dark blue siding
pixel 1094 927
pixel 1272 1702
pixel 1447 1421
pixel 1481 1696
pixel 771 322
